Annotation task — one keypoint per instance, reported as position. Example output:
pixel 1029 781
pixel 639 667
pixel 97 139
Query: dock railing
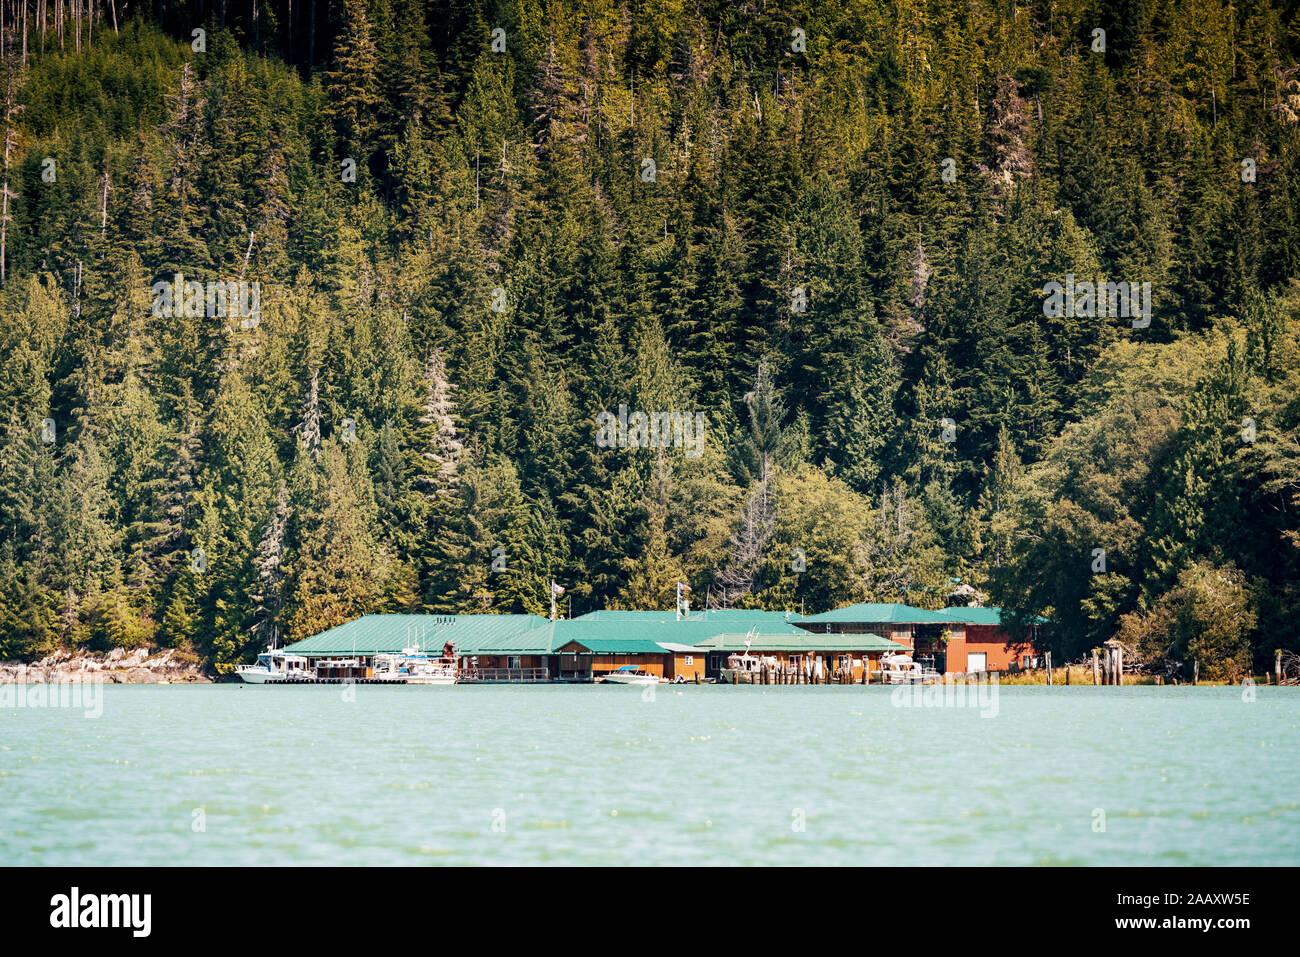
pixel 515 675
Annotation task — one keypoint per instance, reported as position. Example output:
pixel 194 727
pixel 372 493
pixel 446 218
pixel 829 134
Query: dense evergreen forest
pixel 473 227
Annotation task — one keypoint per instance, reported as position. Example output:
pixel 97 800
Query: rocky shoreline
pixel 118 666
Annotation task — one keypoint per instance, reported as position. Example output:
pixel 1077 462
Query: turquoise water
pixel 231 774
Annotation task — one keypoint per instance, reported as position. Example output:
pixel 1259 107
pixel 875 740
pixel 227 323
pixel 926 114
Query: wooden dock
pixel 336 681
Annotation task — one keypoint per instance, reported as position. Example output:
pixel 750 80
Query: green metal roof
pixel 375 634
pixel 975 616
pixel 805 642
pixel 750 615
pixel 744 614
pixel 617 646
pixel 892 612
pixel 540 639
pixel 690 632
pixel 601 631
pixel 618 614
pixel 615 632
pixel 983 616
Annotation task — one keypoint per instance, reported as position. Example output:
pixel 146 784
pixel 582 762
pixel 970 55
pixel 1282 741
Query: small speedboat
pixel 631 675
pixel 274 665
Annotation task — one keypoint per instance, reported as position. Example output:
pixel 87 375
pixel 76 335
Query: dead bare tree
pixel 747 545
pixel 12 108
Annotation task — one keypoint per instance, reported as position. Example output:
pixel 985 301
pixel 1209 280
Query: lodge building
pixel 985 644
pixel 695 647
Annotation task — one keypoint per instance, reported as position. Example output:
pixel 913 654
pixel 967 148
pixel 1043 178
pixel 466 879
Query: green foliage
pixel 863 338
pixel 1207 617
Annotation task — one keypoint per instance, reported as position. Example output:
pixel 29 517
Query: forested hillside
pixel 474 227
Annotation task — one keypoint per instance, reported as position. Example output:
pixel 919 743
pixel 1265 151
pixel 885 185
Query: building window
pixel 516 662
pixel 688 660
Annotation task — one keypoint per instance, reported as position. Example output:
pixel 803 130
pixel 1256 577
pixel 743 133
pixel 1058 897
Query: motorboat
pixel 631 675
pixel 414 667
pixel 272 665
pixel 746 669
pixel 902 669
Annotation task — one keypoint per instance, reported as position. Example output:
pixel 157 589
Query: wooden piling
pixel 1096 668
pixel 1119 666
pixel 1196 671
pixel 1277 666
pixel 1048 661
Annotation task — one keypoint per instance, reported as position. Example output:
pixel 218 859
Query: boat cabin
pixel 290 666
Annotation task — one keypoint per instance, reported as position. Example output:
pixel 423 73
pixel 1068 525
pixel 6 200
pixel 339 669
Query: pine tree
pixel 269 594
pixel 339 571
pixel 353 82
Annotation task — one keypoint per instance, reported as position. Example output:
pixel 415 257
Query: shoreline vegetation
pixel 1081 675
pixel 167 666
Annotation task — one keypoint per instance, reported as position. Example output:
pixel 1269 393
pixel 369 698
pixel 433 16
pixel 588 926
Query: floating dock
pixel 336 681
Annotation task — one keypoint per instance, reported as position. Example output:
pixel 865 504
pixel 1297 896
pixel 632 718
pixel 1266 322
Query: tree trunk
pixel 103 209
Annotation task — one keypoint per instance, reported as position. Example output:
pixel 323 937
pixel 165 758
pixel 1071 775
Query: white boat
pixel 901 669
pixel 416 668
pixel 631 675
pixel 272 665
pixel 746 669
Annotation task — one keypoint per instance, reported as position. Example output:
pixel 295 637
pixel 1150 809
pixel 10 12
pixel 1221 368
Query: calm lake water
pixel 232 774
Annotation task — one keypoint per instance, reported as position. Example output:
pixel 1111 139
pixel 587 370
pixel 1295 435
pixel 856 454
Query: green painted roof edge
pixel 897 613
pixel 814 641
